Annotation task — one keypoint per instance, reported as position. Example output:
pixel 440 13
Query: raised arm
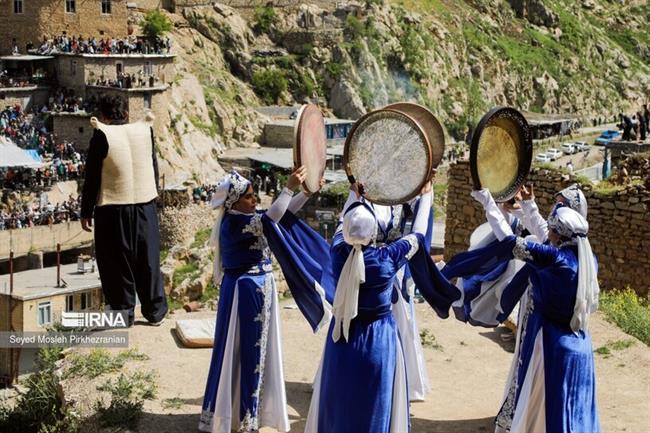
pixel 421 221
pixel 297 202
pixel 280 205
pixel 533 221
pixel 497 221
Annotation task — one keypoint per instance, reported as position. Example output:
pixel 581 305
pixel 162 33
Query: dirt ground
pixel 467 374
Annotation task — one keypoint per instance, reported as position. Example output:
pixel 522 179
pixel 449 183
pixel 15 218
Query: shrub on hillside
pixel 264 19
pixel 156 24
pixel 269 84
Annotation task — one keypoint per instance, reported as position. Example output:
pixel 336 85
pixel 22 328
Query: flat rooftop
pixel 118 56
pixel 41 283
pixel 159 88
pixel 25 58
pixel 292 122
pixel 544 119
pixel 278 156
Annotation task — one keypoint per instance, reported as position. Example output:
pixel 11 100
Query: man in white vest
pixel 119 191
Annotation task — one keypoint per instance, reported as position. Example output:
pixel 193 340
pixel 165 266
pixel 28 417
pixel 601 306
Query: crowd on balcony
pixel 65 43
pixel 127 81
pixel 30 215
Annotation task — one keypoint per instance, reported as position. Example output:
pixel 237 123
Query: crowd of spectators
pixel 23 178
pixel 203 193
pixel 15 79
pixel 27 130
pixel 40 214
pixel 127 81
pixel 65 43
pixel 635 127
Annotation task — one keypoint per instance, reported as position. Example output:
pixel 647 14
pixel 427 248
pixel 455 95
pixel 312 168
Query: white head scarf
pixel 228 192
pixel 359 229
pixel 575 199
pixel 571 225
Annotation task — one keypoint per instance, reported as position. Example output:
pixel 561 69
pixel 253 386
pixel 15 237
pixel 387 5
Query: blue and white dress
pixel 245 388
pixel 392 226
pixel 552 388
pixel 362 386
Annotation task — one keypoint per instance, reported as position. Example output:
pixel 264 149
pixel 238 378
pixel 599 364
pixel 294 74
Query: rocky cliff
pixel 589 57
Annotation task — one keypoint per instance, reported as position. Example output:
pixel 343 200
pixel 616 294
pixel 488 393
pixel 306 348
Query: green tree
pixel 264 18
pixel 156 24
pixel 269 84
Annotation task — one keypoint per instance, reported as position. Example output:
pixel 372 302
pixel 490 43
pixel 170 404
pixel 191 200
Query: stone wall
pixel 279 134
pixel 26 97
pixel 43 238
pixel 48 17
pixel 73 127
pixel 135 102
pixel 75 71
pixel 619 223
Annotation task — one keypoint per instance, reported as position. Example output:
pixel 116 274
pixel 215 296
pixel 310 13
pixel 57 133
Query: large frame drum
pixel 388 152
pixel 501 153
pixel 310 145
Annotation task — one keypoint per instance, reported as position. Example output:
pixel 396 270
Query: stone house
pixel 37 303
pixel 24 21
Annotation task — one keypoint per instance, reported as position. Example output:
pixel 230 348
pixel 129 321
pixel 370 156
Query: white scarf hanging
pixel 571 224
pixel 359 229
pixel 346 298
pixel 588 287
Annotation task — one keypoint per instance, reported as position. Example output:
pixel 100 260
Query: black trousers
pixel 127 247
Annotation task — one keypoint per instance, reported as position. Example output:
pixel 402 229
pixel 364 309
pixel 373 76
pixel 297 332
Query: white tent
pixel 13 156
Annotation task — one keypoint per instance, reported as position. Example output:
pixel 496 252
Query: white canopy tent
pixel 13 156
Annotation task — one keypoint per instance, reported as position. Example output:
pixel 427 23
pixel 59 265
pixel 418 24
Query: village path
pixel 467 374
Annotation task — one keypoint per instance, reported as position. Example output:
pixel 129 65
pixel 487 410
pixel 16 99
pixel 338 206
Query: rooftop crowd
pixel 40 214
pixel 65 43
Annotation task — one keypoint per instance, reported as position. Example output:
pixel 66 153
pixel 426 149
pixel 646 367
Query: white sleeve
pixel 297 202
pixel 352 197
pixel 424 210
pixel 279 206
pixel 498 223
pixel 534 222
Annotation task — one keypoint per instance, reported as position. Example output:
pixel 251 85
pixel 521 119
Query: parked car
pixel 581 146
pixel 553 153
pixel 606 137
pixel 568 148
pixel 542 157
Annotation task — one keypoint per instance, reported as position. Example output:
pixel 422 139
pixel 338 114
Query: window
pixel 147 101
pixel 44 313
pixel 69 303
pixel 73 67
pixel 85 300
pixel 18 6
pixel 70 6
pixel 106 6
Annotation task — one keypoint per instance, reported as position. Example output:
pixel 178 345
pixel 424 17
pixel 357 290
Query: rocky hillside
pixel 589 57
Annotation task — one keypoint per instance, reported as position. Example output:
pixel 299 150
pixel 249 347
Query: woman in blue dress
pixel 553 386
pixel 392 222
pixel 245 386
pixel 362 384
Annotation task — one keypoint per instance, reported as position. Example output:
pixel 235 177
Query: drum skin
pixel 501 153
pixel 310 148
pixel 429 124
pixel 389 153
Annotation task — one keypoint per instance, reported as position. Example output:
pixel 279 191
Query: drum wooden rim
pixel 297 148
pixel 433 128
